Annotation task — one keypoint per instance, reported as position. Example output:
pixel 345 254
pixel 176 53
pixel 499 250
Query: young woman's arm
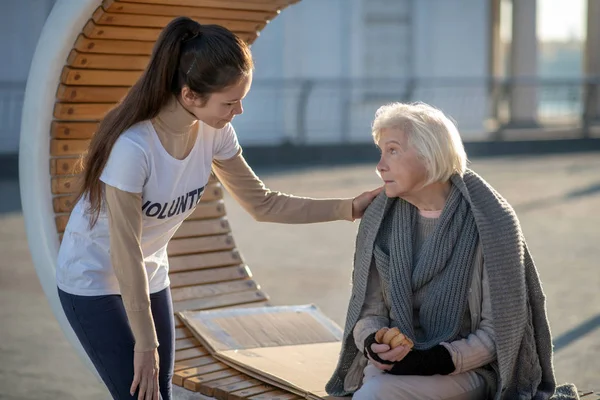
pixel 269 206
pixel 125 229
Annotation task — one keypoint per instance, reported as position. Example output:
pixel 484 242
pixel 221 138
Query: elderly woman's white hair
pixel 431 133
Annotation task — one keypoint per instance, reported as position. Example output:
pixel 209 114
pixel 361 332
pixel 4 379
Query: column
pixel 495 65
pixel 495 43
pixel 523 65
pixel 592 62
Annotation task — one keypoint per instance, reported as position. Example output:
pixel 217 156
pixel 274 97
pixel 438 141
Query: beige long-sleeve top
pixel 125 218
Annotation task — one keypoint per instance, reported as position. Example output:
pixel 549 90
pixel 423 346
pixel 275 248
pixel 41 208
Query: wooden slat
pixel 193 352
pixel 208 276
pixel 258 304
pixel 178 322
pixel 193 362
pixel 103 46
pixel 180 376
pixel 220 301
pixel 61 222
pixel 98 77
pixel 90 94
pixel 206 260
pixel 73 130
pixel 65 166
pixel 208 210
pixel 275 395
pixel 65 185
pixel 212 191
pixel 63 204
pixel 273 6
pixel 200 244
pixel 68 147
pixel 210 290
pixel 244 393
pixel 107 61
pixel 208 388
pixel 223 392
pixel 175 11
pixel 203 228
pixel 106 19
pixel 187 343
pixel 281 2
pixel 195 383
pixel 131 47
pixel 81 112
pixel 93 31
pixel 182 333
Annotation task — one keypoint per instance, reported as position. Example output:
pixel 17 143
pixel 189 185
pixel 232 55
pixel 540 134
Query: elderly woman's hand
pixel 384 353
pixel 361 202
pixel 381 355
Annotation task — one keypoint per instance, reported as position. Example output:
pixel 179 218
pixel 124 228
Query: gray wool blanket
pixel 524 367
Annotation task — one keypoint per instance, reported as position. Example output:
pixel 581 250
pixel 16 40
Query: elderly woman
pixel 441 256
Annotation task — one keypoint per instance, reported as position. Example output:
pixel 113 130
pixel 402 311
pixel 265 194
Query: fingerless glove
pixel 435 361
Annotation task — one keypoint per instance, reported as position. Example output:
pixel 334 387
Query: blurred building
pixel 324 66
pixel 21 22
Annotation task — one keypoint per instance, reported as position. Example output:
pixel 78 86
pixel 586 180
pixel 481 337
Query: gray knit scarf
pixel 523 342
pixel 441 272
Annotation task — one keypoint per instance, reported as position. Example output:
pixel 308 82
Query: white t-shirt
pixel 170 188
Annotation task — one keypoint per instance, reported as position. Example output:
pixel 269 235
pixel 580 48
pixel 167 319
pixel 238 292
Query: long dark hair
pixel 207 58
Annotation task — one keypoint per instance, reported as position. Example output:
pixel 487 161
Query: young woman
pixel 441 256
pixel 144 173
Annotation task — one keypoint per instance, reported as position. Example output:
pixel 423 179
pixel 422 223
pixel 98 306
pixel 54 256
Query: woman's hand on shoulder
pixel 362 201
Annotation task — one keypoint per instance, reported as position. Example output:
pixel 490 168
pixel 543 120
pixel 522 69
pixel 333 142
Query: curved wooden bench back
pixel 108 56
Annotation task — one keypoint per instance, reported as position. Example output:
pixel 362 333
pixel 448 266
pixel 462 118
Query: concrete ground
pixel 557 199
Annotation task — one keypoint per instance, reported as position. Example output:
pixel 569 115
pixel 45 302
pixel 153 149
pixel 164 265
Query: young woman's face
pixel 221 107
pixel 400 167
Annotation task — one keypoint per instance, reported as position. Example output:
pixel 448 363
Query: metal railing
pixel 341 110
pixel 314 111
pixel 569 103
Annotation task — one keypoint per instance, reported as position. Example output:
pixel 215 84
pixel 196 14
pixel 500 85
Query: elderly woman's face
pixel 400 167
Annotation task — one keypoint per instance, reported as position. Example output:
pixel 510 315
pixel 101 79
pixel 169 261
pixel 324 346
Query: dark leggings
pixel 101 324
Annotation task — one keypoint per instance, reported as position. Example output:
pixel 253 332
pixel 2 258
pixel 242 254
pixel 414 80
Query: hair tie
pixel 190 35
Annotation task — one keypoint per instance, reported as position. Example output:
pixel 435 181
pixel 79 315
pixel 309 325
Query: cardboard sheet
pixel 295 348
pixel 305 368
pixel 302 369
pixel 250 328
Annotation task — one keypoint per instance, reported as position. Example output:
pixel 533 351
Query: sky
pixel 557 19
pixel 561 19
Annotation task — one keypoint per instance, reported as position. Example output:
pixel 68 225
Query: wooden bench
pixel 110 48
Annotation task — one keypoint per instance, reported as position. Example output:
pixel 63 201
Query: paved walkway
pixel 557 199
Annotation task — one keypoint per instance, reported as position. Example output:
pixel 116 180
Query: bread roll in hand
pixel 401 340
pixel 389 335
pixel 380 333
pixel 393 338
